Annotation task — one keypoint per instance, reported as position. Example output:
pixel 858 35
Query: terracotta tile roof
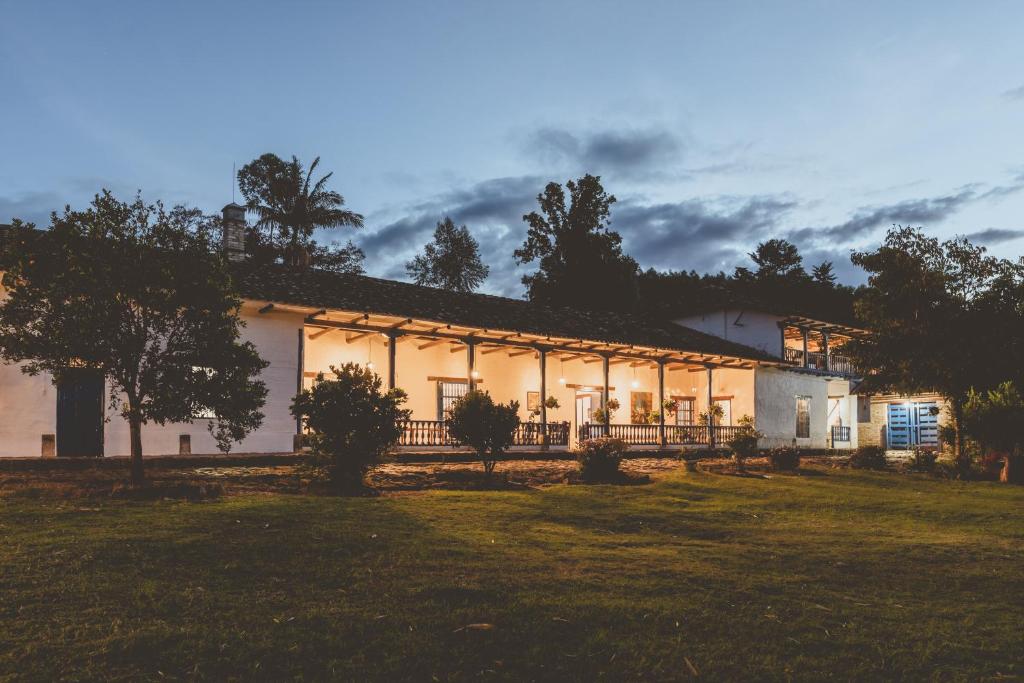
pixel 362 294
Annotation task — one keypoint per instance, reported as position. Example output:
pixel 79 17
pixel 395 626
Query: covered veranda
pixel 558 381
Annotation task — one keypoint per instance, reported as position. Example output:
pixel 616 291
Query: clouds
pixel 32 207
pixel 701 234
pixel 1014 94
pixel 991 236
pixel 492 210
pixel 922 211
pixel 627 153
pixel 707 234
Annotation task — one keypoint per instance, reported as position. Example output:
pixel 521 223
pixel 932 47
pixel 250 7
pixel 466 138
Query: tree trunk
pixel 959 448
pixel 138 473
pixel 1012 472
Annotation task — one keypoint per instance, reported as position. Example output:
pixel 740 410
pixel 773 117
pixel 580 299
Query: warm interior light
pixel 474 374
pixel 369 366
pixel 561 380
pixel 635 384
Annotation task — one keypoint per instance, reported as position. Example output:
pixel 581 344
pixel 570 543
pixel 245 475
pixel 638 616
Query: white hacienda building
pixel 436 345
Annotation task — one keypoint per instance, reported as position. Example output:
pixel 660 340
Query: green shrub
pixel 351 424
pixel 783 459
pixel 489 428
pixel 599 458
pixel 868 458
pixel 924 459
pixel 744 443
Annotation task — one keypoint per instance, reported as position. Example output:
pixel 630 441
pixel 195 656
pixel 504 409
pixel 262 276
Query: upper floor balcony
pixel 821 362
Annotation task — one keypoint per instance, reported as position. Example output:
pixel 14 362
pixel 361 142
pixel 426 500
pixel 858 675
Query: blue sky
pixel 716 124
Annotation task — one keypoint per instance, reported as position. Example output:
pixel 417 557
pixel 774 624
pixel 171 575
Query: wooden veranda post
pixel 543 362
pixel 604 395
pixel 392 353
pixel 661 402
pixel 711 414
pixel 471 365
pixel 803 335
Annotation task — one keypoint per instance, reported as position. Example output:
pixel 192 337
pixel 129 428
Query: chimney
pixel 233 239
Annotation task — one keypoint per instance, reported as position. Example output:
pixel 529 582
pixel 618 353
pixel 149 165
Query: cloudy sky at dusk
pixel 716 125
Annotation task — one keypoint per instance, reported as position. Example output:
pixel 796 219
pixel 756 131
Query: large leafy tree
pixel 938 320
pixel 580 258
pixel 778 258
pixel 139 294
pixel 993 419
pixel 451 261
pixel 290 205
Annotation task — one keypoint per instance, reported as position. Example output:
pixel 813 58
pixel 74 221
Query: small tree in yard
pixel 487 427
pixel 744 443
pixel 351 422
pixel 138 294
pixel 994 419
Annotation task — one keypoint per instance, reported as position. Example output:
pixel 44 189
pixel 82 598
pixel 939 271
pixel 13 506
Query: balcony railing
pixel 532 434
pixel 840 434
pixel 649 435
pixel 434 433
pixel 425 433
pixel 841 365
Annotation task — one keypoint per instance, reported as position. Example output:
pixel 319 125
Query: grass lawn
pixel 836 574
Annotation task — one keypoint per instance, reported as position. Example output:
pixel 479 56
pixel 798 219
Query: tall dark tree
pixel 451 261
pixel 824 274
pixel 933 307
pixel 290 205
pixel 140 295
pixel 580 259
pixel 778 258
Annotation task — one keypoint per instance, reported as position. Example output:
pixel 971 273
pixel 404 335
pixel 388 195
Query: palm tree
pixel 289 205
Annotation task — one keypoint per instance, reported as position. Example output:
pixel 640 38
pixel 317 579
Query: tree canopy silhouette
pixel 580 258
pixel 141 295
pixel 451 261
pixel 945 317
pixel 290 206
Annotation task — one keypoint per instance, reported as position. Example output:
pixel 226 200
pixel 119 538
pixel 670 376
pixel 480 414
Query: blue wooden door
pixel 899 426
pixel 913 424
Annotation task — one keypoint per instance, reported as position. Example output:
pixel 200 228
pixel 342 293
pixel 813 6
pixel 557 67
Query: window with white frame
pixel 803 417
pixel 726 405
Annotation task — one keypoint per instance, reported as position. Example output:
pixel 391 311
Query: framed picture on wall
pixel 533 401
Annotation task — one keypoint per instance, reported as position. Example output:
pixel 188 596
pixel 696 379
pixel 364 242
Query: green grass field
pixel 837 574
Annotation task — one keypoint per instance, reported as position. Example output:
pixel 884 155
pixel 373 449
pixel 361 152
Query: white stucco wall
pixel 28 409
pixel 752 328
pixel 275 335
pixel 776 392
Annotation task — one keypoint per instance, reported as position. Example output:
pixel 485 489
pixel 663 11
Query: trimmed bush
pixel 599 458
pixel 924 459
pixel 744 443
pixel 487 427
pixel 868 458
pixel 351 422
pixel 783 459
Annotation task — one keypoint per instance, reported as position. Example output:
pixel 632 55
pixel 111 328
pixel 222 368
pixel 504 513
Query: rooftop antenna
pixel 233 176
